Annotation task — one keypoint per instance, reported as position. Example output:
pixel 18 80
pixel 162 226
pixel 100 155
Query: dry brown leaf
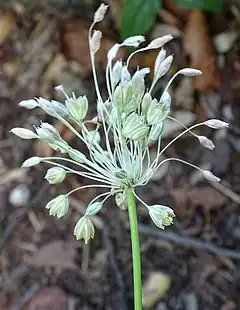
pixel 48 298
pixel 75 46
pixel 198 46
pixel 169 18
pixel 7 23
pixel 54 254
pixel 176 10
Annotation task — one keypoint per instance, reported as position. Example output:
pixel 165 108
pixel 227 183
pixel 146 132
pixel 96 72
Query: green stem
pixel 136 257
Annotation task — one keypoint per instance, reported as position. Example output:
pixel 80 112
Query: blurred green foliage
pixel 209 5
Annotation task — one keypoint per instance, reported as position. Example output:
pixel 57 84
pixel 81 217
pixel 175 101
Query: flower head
pixel 119 138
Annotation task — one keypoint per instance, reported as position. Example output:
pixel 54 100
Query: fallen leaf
pixel 54 254
pixel 48 298
pixel 197 45
pixel 75 46
pixel 155 288
pixel 7 23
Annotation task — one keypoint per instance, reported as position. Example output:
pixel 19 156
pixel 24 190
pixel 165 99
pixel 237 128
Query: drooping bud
pixel 134 41
pixel 161 215
pixel 28 104
pixel 84 229
pixel 93 208
pixel 134 127
pixel 24 133
pixel 77 156
pixel 112 53
pixel 95 41
pixel 55 175
pixel 100 13
pixel 160 58
pixel 216 124
pixel 159 42
pixel 190 72
pixel 32 161
pixel 78 107
pixel 210 176
pixel 206 142
pixel 53 108
pixel 58 206
pixel 164 66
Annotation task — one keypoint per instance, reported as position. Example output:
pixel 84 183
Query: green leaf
pixel 210 5
pixel 137 16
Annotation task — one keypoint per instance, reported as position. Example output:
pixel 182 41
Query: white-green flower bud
pixel 143 72
pixel 210 176
pixel 190 72
pixel 24 133
pixel 155 133
pixel 138 85
pixel 32 161
pixel 121 201
pixel 157 112
pixel 95 41
pixel 100 13
pixel 161 215
pixel 93 137
pixel 216 124
pixel 134 41
pixel 78 107
pixel 53 108
pixel 93 208
pixel 118 96
pixel 146 101
pixel 125 76
pixel 77 156
pixel 116 72
pixel 55 175
pixel 84 229
pixel 164 66
pixel 159 42
pixel 60 146
pixel 134 127
pixel 48 133
pixel 206 142
pixel 58 206
pixel 160 58
pixel 28 104
pixel 112 53
pixel 104 110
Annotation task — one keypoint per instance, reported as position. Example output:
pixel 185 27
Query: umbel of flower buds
pixel 117 141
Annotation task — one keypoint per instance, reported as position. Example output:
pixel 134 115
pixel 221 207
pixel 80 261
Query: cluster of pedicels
pixel 130 121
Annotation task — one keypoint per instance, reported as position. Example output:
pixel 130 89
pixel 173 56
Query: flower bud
pixel 78 107
pixel 55 175
pixel 24 133
pixel 121 201
pixel 112 53
pixel 155 133
pixel 53 108
pixel 59 146
pixel 47 132
pixel 95 41
pixel 77 156
pixel 160 58
pixel 161 215
pixel 104 110
pixel 100 13
pixel 32 161
pixel 138 85
pixel 28 104
pixel 58 206
pixel 159 42
pixel 210 176
pixel 146 101
pixel 126 76
pixel 134 127
pixel 133 41
pixel 206 142
pixel 157 112
pixel 190 72
pixel 216 124
pixel 94 208
pixel 93 137
pixel 84 229
pixel 164 66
